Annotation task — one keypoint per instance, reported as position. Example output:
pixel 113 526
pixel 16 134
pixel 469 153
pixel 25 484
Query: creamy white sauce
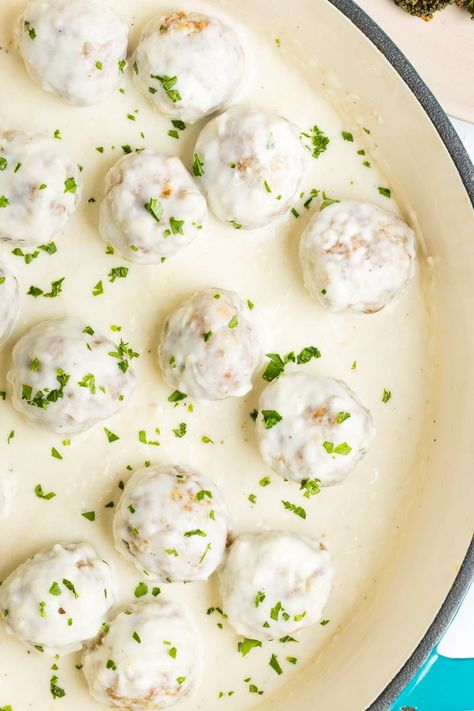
pixel 356 520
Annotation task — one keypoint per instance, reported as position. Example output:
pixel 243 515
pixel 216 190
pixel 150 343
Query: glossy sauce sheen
pixel 357 520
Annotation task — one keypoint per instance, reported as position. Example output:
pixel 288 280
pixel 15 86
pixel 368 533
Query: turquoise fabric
pixel 442 684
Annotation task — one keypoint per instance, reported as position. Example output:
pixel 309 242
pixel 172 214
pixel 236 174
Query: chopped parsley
pixel 88 381
pixel 342 417
pixel 49 248
pixel 110 435
pixel 141 589
pixel 234 321
pixel 4 201
pixel 29 30
pixel 387 395
pixel 247 644
pixel 259 598
pixel 180 431
pixel 311 487
pixel 117 273
pixel 271 418
pixel 89 515
pixel 342 448
pixel 98 289
pixel 326 201
pixel 297 510
pixel 201 494
pixel 43 400
pixel 275 665
pixel 56 691
pixel 55 589
pixel 41 495
pixel 70 185
pixel 198 167
pixel 177 396
pixel 307 354
pixel 318 141
pixel 348 136
pixel 155 208
pixel 195 532
pixel 265 481
pixel 176 226
pixel 55 453
pixel 168 83
pixel 123 354
pixel 386 192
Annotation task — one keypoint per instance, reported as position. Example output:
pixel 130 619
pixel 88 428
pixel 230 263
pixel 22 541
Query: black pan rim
pixel 465 169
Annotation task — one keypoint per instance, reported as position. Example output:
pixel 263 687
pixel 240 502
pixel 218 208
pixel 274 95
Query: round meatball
pixel 172 523
pixel 9 301
pixel 75 49
pixel 209 348
pixel 148 657
pixel 250 162
pixel 273 584
pixel 58 599
pixel 152 207
pixel 66 377
pixel 356 256
pixel 188 65
pixel 39 188
pixel 312 427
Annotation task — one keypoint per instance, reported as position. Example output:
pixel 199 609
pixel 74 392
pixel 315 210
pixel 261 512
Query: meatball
pixel 188 65
pixel 312 428
pixel 275 583
pixel 209 348
pixel 250 162
pixel 172 523
pixel 152 207
pixel 58 599
pixel 66 377
pixel 9 301
pixel 75 49
pixel 147 657
pixel 356 256
pixel 39 188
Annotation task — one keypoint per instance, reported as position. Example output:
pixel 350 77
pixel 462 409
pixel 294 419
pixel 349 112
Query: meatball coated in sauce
pixel 251 165
pixel 209 347
pixel 75 49
pixel 148 658
pixel 356 256
pixel 172 523
pixel 152 207
pixel 275 583
pixel 323 432
pixel 188 65
pixel 67 379
pixel 39 188
pixel 58 599
pixel 9 301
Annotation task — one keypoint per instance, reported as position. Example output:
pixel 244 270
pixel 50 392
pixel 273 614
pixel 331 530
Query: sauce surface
pixel 357 520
